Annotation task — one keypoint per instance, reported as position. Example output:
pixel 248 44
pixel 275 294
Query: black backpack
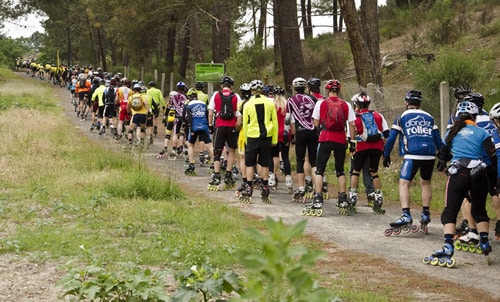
pixel 83 83
pixel 110 96
pixel 226 110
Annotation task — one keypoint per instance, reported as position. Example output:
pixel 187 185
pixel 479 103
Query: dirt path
pixel 358 250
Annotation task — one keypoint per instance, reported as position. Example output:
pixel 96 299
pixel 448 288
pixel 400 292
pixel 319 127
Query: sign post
pixel 209 72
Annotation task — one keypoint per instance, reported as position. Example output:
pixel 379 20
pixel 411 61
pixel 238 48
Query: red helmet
pixel 333 85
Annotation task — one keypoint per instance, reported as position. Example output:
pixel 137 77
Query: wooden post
pixel 444 97
pixel 156 75
pixel 163 84
pixel 142 73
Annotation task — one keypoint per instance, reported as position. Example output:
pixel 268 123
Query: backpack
pixel 83 83
pixel 137 102
pixel 371 133
pixel 226 110
pixel 110 96
pixel 335 119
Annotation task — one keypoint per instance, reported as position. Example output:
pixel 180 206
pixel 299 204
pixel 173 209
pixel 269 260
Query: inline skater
pixel 223 106
pixel 245 95
pixel 463 145
pixel 196 116
pixel 331 116
pixel 260 129
pixel 420 138
pixel 303 133
pixel 122 96
pixel 159 102
pixel 82 89
pixel 495 117
pixel 175 108
pixel 138 105
pixel 109 114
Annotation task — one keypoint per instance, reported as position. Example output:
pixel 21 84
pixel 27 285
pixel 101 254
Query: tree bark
pixel 221 31
pixel 292 59
pixel 170 49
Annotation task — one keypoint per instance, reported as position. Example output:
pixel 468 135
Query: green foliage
pixel 449 26
pixel 281 265
pixel 488 30
pixel 128 282
pixel 249 64
pixel 206 282
pixel 324 61
pixel 10 50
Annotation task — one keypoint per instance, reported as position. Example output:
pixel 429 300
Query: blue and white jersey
pixel 496 141
pixel 468 143
pixel 482 121
pixel 419 136
pixel 197 113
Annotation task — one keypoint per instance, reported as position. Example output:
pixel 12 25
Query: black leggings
pixel 305 140
pixel 324 150
pixel 462 185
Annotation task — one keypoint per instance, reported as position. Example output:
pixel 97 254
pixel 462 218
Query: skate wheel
pixel 434 261
pixel 450 263
pixel 388 232
pixel 465 247
pixel 304 212
pixel 427 260
pixel 472 248
pixel 397 232
pixel 479 250
pixel 457 245
pixel 406 230
pixel 414 228
pixel 424 229
pixel 319 212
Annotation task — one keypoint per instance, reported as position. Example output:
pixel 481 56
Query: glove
pixel 211 129
pixel 352 146
pixel 387 161
pixel 441 166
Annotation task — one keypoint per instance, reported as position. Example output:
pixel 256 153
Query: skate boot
pixel 229 182
pixel 485 248
pixel 425 219
pixel 468 243
pixel 214 183
pixel 202 158
pixel 240 189
pixel 315 207
pixel 353 200
pixel 342 203
pixel 462 229
pixel 246 194
pixel 210 169
pixel 102 131
pixel 378 202
pixel 179 152
pixel 289 183
pixel 264 194
pixel 236 173
pixel 162 154
pixel 402 224
pixel 370 199
pixel 299 196
pixel 282 167
pixel 190 170
pixel 272 182
pixel 186 162
pixel 92 127
pixel 442 257
pixel 324 190
pixel 497 230
pixel 257 181
pixel 309 189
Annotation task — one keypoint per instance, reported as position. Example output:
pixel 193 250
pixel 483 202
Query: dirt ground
pixel 357 249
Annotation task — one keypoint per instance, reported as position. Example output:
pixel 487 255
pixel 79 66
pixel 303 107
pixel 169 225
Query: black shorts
pixel 139 119
pixel 83 95
pixel 225 135
pixel 373 155
pixel 109 111
pixel 258 151
pixel 100 112
pixel 202 136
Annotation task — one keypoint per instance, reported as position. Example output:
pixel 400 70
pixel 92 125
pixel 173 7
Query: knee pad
pixel 355 174
pixel 317 172
pixel 340 173
pixel 217 154
pixel 374 176
pixel 447 217
pixel 481 218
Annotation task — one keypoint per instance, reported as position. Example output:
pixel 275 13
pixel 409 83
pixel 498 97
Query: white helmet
pixel 299 83
pixel 172 93
pixel 256 85
pixel 467 107
pixel 495 111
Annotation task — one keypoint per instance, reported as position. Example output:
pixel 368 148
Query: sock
pixel 448 238
pixel 483 237
pixel 406 211
pixel 426 210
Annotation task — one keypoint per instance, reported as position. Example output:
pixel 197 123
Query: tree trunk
pixel 170 49
pixel 277 49
pixel 363 44
pixel 102 52
pixel 70 49
pixel 221 31
pixel 370 29
pixel 196 42
pixel 184 49
pixel 261 31
pixel 292 59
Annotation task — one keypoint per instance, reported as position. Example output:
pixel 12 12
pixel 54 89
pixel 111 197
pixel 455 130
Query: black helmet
pixel 461 91
pixel 314 83
pixel 414 97
pixel 279 90
pixel 227 80
pixel 476 98
pixel 151 83
pixel 199 85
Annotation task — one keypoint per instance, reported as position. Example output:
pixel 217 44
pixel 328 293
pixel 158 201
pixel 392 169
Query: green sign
pixel 209 72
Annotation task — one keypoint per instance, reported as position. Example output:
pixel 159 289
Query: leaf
pixel 311 257
pixel 184 294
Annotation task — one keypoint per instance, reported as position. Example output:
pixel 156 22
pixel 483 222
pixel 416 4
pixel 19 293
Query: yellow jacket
pixel 259 113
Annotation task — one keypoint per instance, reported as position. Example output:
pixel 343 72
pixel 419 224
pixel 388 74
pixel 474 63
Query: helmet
pixel 137 87
pixel 279 90
pixel 106 83
pixel 333 85
pixel 181 84
pixel 476 98
pixel 461 91
pixel 245 87
pixel 151 83
pixel 362 98
pixel 200 85
pixel 256 84
pixel 227 80
pixel 192 94
pixel 172 93
pixel 299 83
pixel 467 107
pixel 143 88
pixel 413 97
pixel 314 82
pixel 495 111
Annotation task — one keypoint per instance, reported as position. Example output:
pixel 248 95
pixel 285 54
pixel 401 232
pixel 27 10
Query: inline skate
pixel 468 243
pixel 214 183
pixel 236 173
pixel 162 154
pixel 309 192
pixel 353 200
pixel 172 155
pixel 462 229
pixel 257 181
pixel 315 207
pixel 246 194
pixel 272 182
pixel 342 204
pixel 264 194
pixel 378 202
pixel 425 219
pixel 202 158
pixel 240 189
pixel 442 257
pixel 486 249
pixel 402 225
pixel 324 190
pixel 497 230
pixel 229 182
pixel 210 169
pixel 299 196
pixel 289 183
pixel 190 170
pixel 370 198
